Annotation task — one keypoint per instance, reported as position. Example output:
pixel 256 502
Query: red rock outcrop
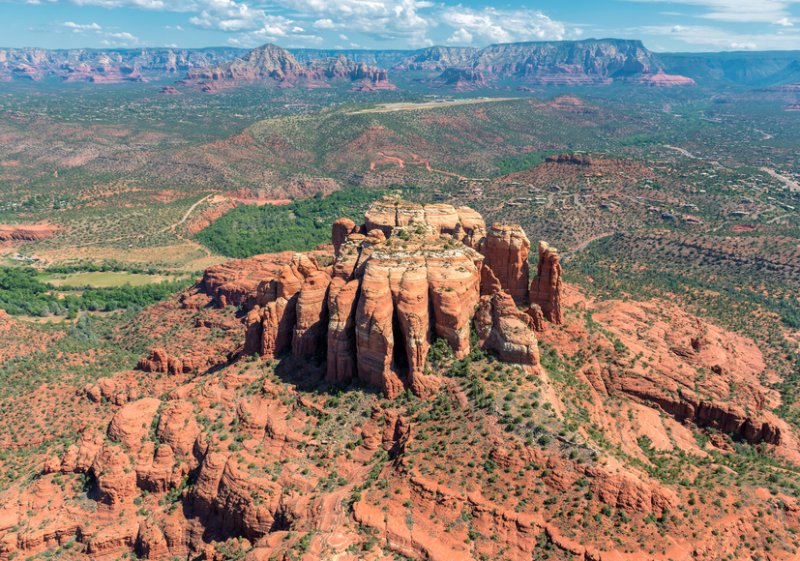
pixel 503 328
pixel 311 315
pixel 417 275
pixel 576 159
pixel 116 480
pixel 133 421
pixel 342 300
pixel 462 223
pixel 546 288
pixel 339 232
pixel 506 250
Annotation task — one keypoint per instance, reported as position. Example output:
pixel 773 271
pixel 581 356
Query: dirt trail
pixel 789 182
pixel 419 162
pixel 187 214
pixel 681 151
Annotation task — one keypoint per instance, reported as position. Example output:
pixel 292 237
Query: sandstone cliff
pixel 409 275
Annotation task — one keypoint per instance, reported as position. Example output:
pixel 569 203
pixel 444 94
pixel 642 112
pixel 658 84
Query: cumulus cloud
pixel 460 37
pixel 107 37
pixel 381 19
pixel 81 27
pixel 407 22
pixel 325 23
pixel 503 26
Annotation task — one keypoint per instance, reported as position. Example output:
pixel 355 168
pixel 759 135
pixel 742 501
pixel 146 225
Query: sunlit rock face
pixel 409 275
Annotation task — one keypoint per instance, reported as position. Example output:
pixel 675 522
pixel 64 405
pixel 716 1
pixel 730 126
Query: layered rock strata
pixel 546 288
pixel 506 250
pixel 409 275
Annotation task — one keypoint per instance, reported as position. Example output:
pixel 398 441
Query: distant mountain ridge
pixel 755 69
pixel 108 65
pixel 593 61
pixel 585 62
pixel 272 63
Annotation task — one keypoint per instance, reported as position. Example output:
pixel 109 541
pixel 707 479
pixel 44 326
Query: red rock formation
pixel 342 299
pixel 537 316
pixel 26 233
pixel 178 427
pixel 506 250
pixel 116 480
pixel 663 80
pixel 150 541
pixel 133 421
pixel 414 277
pixel 339 232
pixel 463 223
pixel 159 361
pixel 577 159
pixel 546 288
pixel 312 316
pixel 504 329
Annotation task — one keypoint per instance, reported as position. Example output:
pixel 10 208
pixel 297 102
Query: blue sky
pixel 676 25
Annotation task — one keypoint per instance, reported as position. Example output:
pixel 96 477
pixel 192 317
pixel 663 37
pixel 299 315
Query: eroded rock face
pixel 546 288
pixel 339 232
pixel 312 315
pixel 503 328
pixel 506 250
pixel 463 223
pixel 409 275
pixel 394 326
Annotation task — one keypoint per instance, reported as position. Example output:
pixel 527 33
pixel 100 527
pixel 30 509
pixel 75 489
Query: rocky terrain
pixel 417 389
pixel 585 62
pixel 438 58
pixel 574 63
pixel 408 274
pixel 107 66
pixel 272 63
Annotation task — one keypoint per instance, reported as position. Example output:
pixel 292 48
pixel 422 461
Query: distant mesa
pixel 564 63
pixel 463 78
pixel 406 276
pixel 271 63
pixel 438 59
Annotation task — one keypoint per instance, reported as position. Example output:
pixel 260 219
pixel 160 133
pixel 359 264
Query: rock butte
pixel 408 275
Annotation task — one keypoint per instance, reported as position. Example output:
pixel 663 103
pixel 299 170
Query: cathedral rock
pixel 408 275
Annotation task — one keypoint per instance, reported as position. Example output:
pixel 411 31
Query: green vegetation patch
pixel 22 292
pixel 532 159
pixel 300 226
pixel 98 279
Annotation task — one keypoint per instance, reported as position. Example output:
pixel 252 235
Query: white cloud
pixel 325 23
pixel 380 19
pixel 717 38
pixel 81 27
pixel 460 37
pixel 504 26
pixel 407 22
pixel 109 37
pixel 737 11
pixel 784 22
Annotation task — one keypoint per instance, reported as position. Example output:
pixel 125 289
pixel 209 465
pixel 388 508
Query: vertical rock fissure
pixel 399 352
